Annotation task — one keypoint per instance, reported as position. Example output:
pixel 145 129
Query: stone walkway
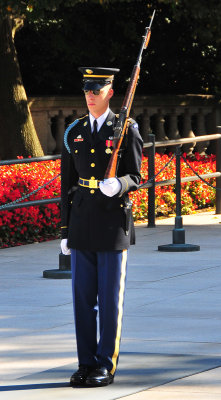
pixel 171 339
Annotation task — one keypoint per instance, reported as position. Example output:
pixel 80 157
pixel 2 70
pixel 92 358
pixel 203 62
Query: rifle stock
pixel 122 123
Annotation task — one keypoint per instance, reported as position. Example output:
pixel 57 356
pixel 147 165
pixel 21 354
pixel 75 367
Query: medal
pixel 109 144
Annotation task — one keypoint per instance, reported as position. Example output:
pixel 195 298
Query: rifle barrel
pixel 146 39
pixel 122 123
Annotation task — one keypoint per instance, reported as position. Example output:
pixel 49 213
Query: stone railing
pixel 168 117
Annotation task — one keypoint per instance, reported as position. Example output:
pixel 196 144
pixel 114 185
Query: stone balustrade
pixel 168 117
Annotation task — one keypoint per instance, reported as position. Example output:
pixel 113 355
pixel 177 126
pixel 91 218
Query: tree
pixel 202 28
pixel 70 33
pixel 17 132
pixel 110 34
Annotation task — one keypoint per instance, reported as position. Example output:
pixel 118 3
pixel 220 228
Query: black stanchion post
pixel 178 232
pixel 151 175
pixel 218 169
pixel 64 271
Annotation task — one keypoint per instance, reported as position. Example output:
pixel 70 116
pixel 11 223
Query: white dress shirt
pixel 100 120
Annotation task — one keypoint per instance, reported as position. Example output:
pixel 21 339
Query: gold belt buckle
pixel 93 183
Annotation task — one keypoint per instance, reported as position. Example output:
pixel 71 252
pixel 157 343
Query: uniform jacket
pixel 90 220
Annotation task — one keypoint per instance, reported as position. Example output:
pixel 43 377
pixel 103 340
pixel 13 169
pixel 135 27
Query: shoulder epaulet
pixel 79 119
pixel 132 123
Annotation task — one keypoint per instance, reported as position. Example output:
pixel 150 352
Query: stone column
pixel 188 133
pixel 59 132
pixel 201 130
pixel 159 130
pixel 145 125
pixel 51 143
pixel 173 131
pixel 213 120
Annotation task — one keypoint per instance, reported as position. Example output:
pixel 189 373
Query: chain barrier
pixel 47 183
pixel 29 194
pixel 196 173
pixel 142 186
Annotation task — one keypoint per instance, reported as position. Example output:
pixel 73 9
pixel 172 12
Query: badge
pixel 108 151
pixel 79 139
pixel 85 123
pixel 109 123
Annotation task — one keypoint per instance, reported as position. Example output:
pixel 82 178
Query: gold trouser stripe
pixel 120 310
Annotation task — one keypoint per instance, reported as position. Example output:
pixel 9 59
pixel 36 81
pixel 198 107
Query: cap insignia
pixel 89 71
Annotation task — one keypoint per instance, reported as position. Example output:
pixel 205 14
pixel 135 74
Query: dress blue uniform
pixel 99 229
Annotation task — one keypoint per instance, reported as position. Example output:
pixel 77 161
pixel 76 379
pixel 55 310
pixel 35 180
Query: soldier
pixel 97 226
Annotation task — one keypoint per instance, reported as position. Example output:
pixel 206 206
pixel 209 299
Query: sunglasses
pixel 95 92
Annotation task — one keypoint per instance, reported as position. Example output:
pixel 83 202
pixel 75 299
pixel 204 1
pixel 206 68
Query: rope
pixel 196 173
pixel 142 186
pixel 29 194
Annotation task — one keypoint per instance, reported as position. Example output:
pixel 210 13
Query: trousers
pixel 98 287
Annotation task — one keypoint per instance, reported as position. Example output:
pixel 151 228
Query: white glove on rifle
pixel 110 186
pixel 64 248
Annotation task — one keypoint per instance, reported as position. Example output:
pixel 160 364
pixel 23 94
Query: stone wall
pixel 168 117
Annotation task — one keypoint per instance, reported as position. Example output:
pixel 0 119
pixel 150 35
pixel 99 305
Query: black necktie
pixel 95 128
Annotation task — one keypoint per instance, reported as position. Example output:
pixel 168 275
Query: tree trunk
pixel 17 132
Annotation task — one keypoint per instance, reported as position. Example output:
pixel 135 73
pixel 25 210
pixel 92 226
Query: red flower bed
pixel 194 195
pixel 30 224
pixel 35 224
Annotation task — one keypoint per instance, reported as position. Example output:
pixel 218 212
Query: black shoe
pixel 99 377
pixel 80 376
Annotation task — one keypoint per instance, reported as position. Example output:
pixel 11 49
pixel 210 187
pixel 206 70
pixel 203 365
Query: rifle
pixel 122 123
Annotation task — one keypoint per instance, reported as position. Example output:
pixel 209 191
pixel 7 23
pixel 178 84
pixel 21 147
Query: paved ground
pixel 171 341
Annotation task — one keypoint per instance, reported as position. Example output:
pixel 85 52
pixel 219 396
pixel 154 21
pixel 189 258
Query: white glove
pixel 64 248
pixel 110 186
